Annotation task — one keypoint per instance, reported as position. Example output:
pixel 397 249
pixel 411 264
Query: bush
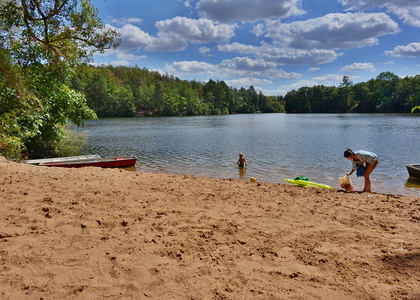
pixel 72 143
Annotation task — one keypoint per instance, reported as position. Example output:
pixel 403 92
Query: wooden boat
pixel 413 170
pixel 58 159
pixel 102 162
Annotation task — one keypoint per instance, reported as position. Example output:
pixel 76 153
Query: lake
pixel 277 146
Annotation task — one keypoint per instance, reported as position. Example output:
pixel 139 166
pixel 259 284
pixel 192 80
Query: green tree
pixel 413 100
pixel 363 98
pixel 384 91
pixel 346 103
pixel 19 109
pixel 110 93
pixel 53 30
pixel 42 42
pixel 253 103
pixel 346 81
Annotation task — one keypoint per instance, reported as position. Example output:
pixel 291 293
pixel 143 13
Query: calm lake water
pixel 277 146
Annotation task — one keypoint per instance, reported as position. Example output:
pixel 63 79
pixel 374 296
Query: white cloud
pixel 407 10
pixel 358 67
pixel 314 69
pixel 129 56
pixel 174 34
pixel 245 63
pixel 132 37
pixel 246 67
pixel 258 30
pixel 124 21
pixel 248 81
pixel 310 42
pixel 283 56
pixel 189 67
pixel 410 50
pixel 233 68
pixel 299 57
pixel 204 50
pixel 119 63
pixel 327 80
pixel 123 57
pixel 332 31
pixel 248 10
pixel 411 16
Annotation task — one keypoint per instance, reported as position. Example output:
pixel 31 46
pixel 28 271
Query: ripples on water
pixel 277 146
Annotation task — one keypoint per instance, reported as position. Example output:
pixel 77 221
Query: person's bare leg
pixel 369 169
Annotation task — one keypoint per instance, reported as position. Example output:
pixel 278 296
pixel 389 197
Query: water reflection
pixel 242 172
pixel 412 183
pixel 277 146
pixel 131 169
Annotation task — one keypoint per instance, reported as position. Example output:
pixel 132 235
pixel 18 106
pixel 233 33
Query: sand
pixel 94 233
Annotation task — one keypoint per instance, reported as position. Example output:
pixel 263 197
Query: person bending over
pixel 361 157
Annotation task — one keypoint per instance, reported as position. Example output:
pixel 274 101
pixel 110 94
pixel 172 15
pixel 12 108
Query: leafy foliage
pixel 41 42
pixel 123 92
pixel 386 94
pixel 53 30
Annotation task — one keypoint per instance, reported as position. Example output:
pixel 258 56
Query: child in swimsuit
pixel 241 161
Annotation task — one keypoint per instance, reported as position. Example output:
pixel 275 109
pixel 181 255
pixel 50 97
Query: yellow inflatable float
pixel 305 183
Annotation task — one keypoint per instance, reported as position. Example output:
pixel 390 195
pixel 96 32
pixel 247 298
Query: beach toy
pixel 253 179
pixel 305 183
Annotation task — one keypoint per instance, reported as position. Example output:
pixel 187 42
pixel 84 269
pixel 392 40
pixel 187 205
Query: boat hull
pixel 414 170
pixel 105 162
pixel 60 159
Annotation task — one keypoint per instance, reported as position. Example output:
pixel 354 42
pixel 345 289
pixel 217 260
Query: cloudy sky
pixel 273 45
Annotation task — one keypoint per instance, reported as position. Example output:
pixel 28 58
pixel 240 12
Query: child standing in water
pixel 241 161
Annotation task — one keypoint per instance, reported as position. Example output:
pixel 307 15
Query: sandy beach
pixel 94 233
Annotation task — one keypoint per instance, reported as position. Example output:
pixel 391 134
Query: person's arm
pixel 354 167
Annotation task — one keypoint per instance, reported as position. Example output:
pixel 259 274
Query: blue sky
pixel 273 45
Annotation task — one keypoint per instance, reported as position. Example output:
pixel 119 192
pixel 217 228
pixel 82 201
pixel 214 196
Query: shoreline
pixel 94 233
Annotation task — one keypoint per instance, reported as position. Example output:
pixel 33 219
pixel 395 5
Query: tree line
pixel 131 91
pixel 387 93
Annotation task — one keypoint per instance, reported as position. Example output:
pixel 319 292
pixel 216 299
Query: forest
pixel 131 91
pixel 387 93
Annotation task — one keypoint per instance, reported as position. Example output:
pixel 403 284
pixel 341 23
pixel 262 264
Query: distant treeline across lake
pixel 126 91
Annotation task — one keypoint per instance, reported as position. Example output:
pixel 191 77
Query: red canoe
pixel 103 162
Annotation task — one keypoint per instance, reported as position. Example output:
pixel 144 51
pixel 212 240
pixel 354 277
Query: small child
pixel 241 161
